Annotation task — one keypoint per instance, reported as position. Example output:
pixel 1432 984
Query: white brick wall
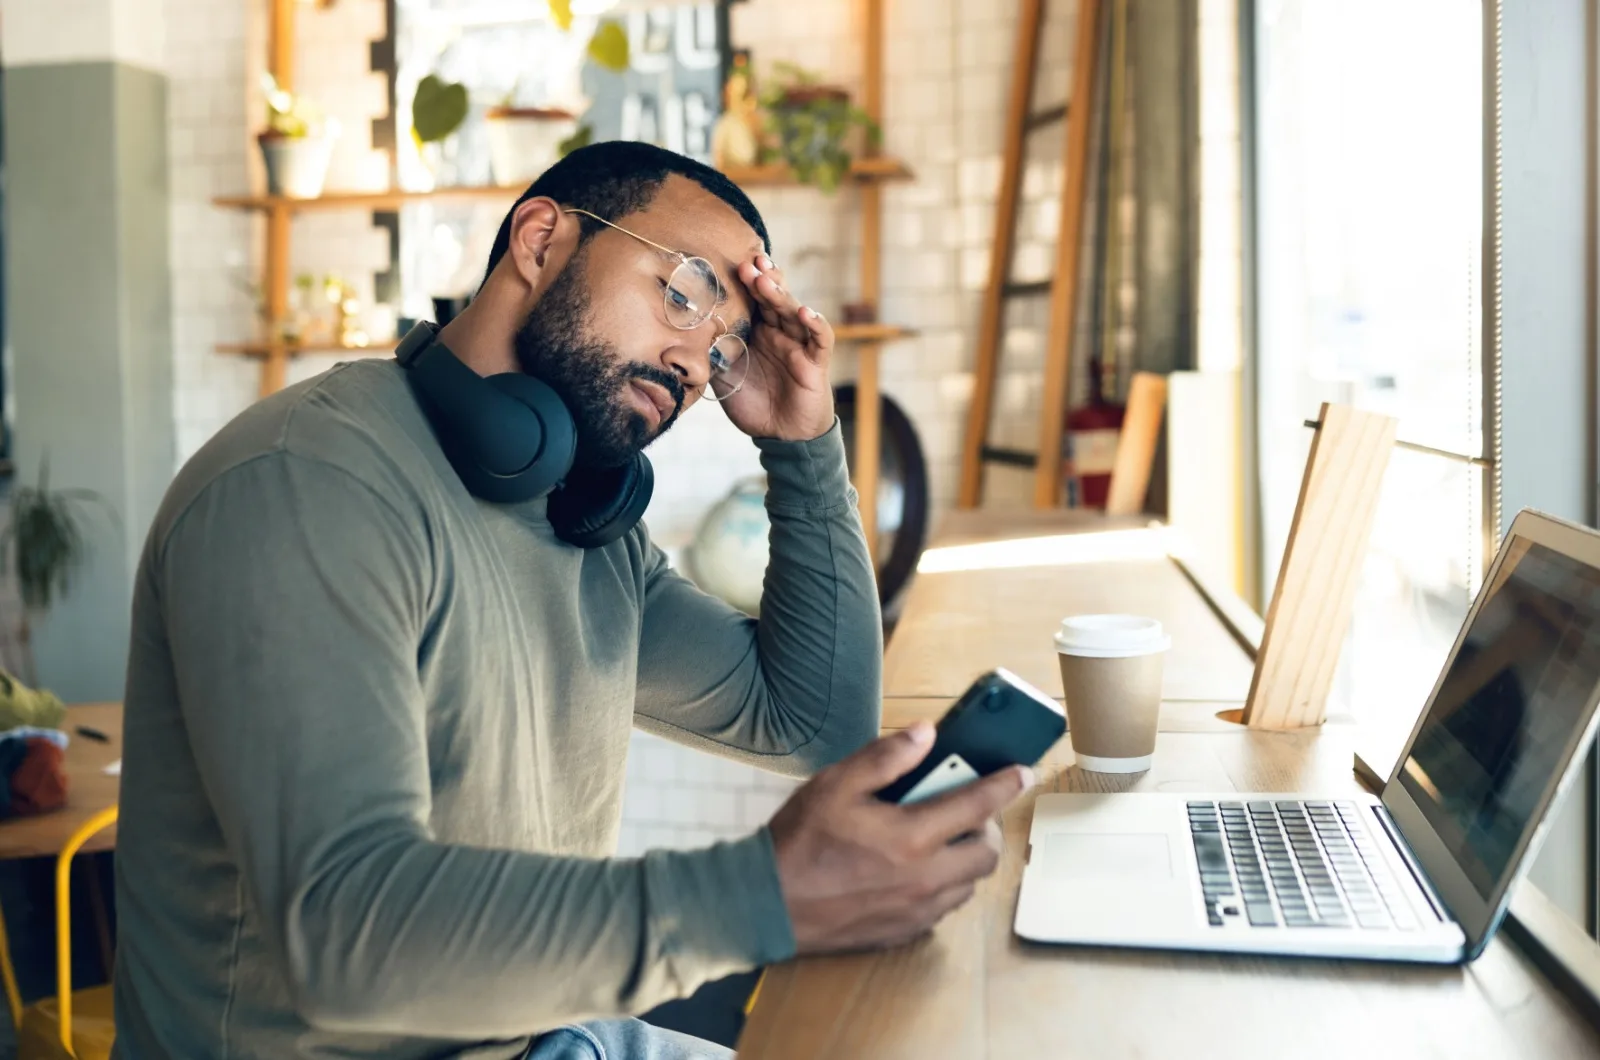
pixel 947 66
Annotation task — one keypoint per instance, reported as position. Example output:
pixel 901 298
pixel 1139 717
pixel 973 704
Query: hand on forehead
pixel 685 217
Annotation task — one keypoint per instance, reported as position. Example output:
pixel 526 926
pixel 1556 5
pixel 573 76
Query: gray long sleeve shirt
pixel 376 733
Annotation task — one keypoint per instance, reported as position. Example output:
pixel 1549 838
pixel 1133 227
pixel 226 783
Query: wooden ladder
pixel 1062 287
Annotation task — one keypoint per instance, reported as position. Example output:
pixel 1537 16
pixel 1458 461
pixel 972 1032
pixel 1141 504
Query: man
pixel 376 726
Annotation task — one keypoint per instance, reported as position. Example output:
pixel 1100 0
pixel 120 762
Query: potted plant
pixel 524 141
pixel 297 143
pixel 45 545
pixel 812 124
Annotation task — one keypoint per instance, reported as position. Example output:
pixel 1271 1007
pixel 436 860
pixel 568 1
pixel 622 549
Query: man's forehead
pixel 684 216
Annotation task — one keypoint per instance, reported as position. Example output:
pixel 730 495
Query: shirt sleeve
pixel 295 598
pixel 801 687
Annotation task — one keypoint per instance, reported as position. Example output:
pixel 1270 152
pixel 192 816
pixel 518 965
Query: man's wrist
pixel 805 434
pixel 811 474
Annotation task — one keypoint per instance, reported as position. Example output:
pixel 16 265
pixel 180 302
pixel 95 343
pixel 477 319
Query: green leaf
pixel 609 46
pixel 561 13
pixel 582 137
pixel 437 109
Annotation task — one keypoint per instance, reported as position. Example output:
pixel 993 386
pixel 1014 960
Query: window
pixel 1368 125
pixel 1369 197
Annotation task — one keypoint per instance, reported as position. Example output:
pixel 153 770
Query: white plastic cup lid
pixel 1111 636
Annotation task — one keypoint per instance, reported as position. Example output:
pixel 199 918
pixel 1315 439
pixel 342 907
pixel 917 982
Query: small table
pixel 974 990
pixel 89 789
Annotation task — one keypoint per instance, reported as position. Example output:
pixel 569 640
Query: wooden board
pixel 89 789
pixel 1312 601
pixel 1136 446
pixel 974 991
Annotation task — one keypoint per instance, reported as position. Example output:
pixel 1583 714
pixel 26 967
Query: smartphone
pixel 1000 721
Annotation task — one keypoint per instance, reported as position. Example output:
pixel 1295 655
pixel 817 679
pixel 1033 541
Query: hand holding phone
pixel 1001 720
pixel 861 867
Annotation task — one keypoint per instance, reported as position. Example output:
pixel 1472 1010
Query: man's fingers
pixel 948 900
pixel 884 760
pixel 967 809
pixel 821 331
pixel 965 862
pixel 780 308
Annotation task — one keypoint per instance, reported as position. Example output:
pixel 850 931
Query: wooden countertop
pixel 972 990
pixel 971 612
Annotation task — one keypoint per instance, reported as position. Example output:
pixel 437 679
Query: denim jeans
pixel 623 1040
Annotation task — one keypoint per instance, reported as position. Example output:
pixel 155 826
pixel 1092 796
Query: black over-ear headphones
pixel 511 438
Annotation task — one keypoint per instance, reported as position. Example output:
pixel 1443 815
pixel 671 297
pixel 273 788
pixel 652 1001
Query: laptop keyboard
pixel 1293 864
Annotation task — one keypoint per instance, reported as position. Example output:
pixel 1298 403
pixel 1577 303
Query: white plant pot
pixel 296 166
pixel 525 143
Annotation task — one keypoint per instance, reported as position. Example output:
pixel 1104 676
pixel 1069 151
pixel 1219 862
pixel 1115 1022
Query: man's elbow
pixel 337 1001
pixel 846 732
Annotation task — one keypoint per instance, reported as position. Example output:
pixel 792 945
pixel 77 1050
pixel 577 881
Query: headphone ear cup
pixel 509 437
pixel 554 460
pixel 596 508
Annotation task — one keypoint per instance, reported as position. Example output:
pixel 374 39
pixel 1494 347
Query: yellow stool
pixel 70 1024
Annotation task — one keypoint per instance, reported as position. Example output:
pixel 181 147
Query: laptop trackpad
pixel 1091 855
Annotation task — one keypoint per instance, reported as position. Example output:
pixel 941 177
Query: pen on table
pixel 93 733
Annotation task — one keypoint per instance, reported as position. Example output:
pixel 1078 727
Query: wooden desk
pixel 958 623
pixel 89 789
pixel 973 990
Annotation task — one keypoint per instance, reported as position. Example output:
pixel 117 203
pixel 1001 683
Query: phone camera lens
pixel 995 701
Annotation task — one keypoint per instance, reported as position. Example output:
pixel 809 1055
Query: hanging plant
pixel 811 123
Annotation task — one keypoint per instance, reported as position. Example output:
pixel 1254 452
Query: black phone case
pixel 999 721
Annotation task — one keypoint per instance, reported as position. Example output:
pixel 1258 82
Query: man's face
pixel 599 334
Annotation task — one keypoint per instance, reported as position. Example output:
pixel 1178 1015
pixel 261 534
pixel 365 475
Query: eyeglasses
pixel 690 295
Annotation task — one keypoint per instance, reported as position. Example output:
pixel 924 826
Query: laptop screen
pixel 1511 703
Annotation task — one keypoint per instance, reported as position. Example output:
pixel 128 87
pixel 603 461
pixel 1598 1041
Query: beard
pixel 589 375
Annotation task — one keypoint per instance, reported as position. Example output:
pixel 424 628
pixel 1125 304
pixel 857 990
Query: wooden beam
pixel 1025 62
pixel 275 368
pixel 280 44
pixel 868 392
pixel 1064 300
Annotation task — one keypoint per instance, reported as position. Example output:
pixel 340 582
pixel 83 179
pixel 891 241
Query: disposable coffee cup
pixel 1111 677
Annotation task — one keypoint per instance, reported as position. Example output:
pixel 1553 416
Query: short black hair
pixel 615 178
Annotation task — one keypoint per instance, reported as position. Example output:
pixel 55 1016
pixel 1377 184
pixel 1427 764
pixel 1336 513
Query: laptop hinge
pixel 1386 822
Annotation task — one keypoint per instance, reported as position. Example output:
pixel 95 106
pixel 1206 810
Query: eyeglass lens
pixel 692 293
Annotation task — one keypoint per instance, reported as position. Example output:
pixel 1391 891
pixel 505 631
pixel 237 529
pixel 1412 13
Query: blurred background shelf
pixel 297 349
pixel 366 200
pixel 862 170
pixel 872 332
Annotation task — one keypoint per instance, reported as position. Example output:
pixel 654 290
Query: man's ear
pixel 537 230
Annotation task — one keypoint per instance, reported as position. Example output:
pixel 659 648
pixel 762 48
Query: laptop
pixel 1422 873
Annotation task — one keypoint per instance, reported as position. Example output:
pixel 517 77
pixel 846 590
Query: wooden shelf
pixel 862 169
pixel 880 167
pixel 843 333
pixel 872 332
pixel 366 200
pixel 296 349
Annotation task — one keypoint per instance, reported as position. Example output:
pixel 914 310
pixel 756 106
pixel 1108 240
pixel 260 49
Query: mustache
pixel 665 380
